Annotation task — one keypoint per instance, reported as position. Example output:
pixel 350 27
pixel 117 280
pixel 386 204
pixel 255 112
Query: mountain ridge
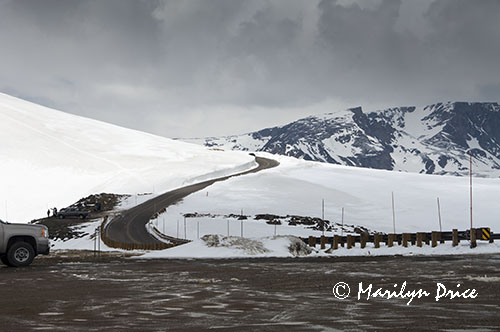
pixel 434 139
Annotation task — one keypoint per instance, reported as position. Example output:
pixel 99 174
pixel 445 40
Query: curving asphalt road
pixel 129 226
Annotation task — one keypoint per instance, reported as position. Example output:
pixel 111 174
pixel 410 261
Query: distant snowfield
pixel 51 159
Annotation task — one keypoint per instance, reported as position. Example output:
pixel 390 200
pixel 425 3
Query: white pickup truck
pixel 21 243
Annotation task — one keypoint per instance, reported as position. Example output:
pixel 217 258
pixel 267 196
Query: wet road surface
pixel 114 293
pixel 129 226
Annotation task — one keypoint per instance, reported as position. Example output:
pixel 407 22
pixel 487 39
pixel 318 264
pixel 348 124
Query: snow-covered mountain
pixel 435 139
pixel 49 158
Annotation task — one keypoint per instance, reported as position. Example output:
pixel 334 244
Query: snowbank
pixel 50 158
pixel 219 246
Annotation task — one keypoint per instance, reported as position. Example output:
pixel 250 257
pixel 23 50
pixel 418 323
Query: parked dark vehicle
pixel 21 243
pixel 73 212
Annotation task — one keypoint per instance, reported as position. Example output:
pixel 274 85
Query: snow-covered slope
pixel 435 139
pixel 297 187
pixel 49 158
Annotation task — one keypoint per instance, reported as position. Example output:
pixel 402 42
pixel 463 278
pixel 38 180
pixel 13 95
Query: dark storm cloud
pixel 197 67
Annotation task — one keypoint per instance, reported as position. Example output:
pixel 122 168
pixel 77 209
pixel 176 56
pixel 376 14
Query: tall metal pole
pixel 241 223
pixel 439 215
pixel 185 233
pixel 228 227
pixel 342 229
pixel 393 214
pixel 470 173
pixel 177 228
pixel 323 216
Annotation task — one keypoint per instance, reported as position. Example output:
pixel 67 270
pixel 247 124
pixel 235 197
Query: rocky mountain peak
pixel 435 139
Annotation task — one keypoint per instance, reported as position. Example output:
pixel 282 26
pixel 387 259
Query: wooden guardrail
pixel 404 239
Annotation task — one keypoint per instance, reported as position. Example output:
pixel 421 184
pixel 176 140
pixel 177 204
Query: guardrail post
pixel 362 240
pixel 440 237
pixel 419 239
pixel 390 240
pixel 323 242
pixel 455 239
pixel 434 238
pixel 336 240
pixel 405 239
pixel 473 242
pixel 349 241
pixel 376 240
pixel 491 237
pixel 312 241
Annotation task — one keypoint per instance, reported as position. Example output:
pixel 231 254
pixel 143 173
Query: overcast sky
pixel 193 68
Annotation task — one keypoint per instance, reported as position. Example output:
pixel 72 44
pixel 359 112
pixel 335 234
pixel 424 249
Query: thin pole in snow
pixel 323 216
pixel 185 233
pixel 393 214
pixel 198 228
pixel 228 227
pixel 439 215
pixel 241 228
pixel 342 228
pixel 275 229
pixel 177 228
pixel 470 173
pixel 163 225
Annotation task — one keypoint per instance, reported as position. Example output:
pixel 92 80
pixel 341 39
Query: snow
pixel 50 158
pixel 297 187
pixel 279 247
pixel 231 247
pixel 242 142
pixel 419 137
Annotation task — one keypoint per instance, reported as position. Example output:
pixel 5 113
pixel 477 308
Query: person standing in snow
pixel 55 212
pixel 48 213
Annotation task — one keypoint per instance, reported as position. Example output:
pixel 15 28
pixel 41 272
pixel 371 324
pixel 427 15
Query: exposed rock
pixel 435 139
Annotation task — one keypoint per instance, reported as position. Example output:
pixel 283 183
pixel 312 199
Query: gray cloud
pixel 196 67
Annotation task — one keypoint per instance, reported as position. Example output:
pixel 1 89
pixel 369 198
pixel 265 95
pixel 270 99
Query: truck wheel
pixel 61 216
pixel 5 261
pixel 20 254
pixel 82 216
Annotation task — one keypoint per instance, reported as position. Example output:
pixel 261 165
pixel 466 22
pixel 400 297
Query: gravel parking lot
pixel 79 292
